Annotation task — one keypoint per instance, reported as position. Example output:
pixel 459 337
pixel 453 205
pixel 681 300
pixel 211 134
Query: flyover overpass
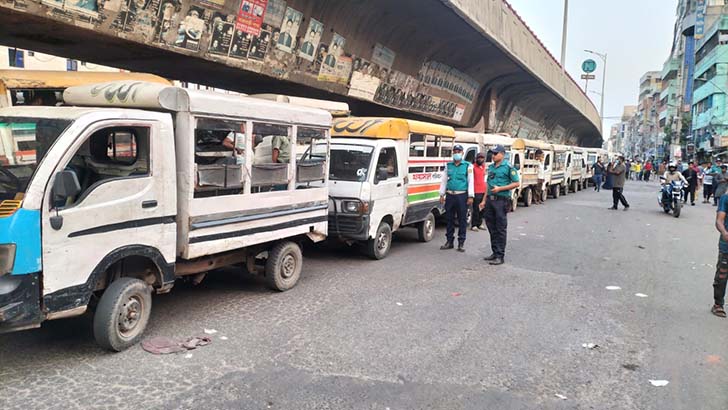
pixel 469 63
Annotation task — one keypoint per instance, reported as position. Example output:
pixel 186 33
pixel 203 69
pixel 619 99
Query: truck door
pixel 388 195
pixel 127 199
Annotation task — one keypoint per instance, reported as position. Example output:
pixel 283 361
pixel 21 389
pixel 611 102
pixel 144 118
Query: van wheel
pixel 527 197
pixel 556 191
pixel 283 267
pixel 574 186
pixel 426 228
pixel 379 246
pixel 122 314
pixel 566 188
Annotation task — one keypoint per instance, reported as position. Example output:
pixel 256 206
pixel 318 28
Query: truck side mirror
pixel 382 174
pixel 65 185
pixel 517 167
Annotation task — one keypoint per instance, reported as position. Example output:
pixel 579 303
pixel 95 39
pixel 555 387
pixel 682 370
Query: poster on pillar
pixel 311 41
pixel 335 67
pixel 251 15
pixel 383 56
pixel 222 34
pixel 274 13
pixel 289 30
pixel 190 30
pixel 240 45
pixel 363 84
pixel 260 44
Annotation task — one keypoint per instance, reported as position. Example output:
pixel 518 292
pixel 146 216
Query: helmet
pixel 672 165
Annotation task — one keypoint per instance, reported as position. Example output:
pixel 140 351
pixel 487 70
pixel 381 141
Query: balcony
pixel 670 69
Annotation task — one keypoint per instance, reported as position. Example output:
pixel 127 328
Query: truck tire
pixel 556 191
pixel 283 267
pixel 426 228
pixel 527 197
pixel 676 210
pixel 379 246
pixel 574 186
pixel 566 187
pixel 122 314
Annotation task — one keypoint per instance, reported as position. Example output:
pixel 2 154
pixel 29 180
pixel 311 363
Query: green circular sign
pixel 589 66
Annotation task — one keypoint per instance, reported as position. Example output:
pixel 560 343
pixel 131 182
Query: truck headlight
pixel 7 258
pixel 355 207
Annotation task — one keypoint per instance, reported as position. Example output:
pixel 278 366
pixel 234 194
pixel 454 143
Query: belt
pixel 456 192
pixel 497 198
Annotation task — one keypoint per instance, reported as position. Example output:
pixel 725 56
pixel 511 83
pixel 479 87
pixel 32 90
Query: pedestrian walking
pixel 479 185
pixel 457 192
pixel 619 174
pixel 721 269
pixel 598 174
pixel 502 178
pixel 541 175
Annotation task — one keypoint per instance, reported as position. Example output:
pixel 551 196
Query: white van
pixel 578 169
pixel 561 170
pixel 385 174
pixel 159 183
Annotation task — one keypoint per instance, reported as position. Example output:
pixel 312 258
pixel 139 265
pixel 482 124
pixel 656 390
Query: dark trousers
pixel 597 182
pixel 456 206
pixel 538 192
pixel 689 191
pixel 477 212
pixel 721 278
pixel 707 191
pixel 497 223
pixel 618 197
pixel 647 175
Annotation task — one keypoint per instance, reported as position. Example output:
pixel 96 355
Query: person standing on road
pixel 647 171
pixel 456 192
pixel 598 173
pixel 538 189
pixel 720 184
pixel 707 178
pixel 619 175
pixel 721 269
pixel 692 177
pixel 479 185
pixel 663 167
pixel 502 178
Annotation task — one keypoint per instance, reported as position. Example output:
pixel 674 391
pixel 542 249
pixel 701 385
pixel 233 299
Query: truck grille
pixel 344 224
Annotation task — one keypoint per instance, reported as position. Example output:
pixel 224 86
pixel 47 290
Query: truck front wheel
pixel 426 228
pixel 379 246
pixel 122 314
pixel 283 267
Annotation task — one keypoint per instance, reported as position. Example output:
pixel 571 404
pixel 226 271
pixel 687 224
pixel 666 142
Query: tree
pixel 686 128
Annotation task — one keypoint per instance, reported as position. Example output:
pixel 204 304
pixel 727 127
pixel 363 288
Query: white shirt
pixel 541 171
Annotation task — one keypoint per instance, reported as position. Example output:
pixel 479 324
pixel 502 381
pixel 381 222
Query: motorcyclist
pixel 672 174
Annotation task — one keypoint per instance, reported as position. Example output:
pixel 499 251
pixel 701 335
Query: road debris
pixel 399 304
pixel 188 356
pixel 210 331
pixel 640 295
pixel 167 345
pixel 590 345
pixel 223 338
pixel 560 396
pixel 613 287
pixel 456 294
pixel 659 383
pixel 641 247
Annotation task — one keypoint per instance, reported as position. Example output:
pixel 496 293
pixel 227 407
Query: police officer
pixel 502 178
pixel 456 192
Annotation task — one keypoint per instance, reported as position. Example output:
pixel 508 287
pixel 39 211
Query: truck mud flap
pixel 20 302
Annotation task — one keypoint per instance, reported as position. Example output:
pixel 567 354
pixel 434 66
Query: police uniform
pixel 457 186
pixel 497 206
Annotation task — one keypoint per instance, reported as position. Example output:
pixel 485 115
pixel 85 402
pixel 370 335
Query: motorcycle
pixel 669 197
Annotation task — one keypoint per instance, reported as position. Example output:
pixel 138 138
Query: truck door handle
pixel 149 204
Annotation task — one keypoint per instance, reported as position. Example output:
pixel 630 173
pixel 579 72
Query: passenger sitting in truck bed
pixel 274 149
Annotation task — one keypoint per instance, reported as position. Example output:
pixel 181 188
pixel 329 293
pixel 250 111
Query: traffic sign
pixel 588 76
pixel 589 66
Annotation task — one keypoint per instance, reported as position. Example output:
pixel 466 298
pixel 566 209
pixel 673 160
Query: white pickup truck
pixel 142 183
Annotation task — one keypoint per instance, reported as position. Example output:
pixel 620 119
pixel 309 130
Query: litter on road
pixel 560 396
pixel 167 345
pixel 210 331
pixel 613 288
pixel 640 295
pixel 590 345
pixel 659 383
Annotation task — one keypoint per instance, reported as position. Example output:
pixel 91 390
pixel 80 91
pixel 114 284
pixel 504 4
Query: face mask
pixel 457 157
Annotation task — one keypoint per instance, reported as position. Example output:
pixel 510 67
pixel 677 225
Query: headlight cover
pixel 7 258
pixel 351 207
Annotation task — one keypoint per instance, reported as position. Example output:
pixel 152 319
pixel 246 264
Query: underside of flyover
pixel 416 30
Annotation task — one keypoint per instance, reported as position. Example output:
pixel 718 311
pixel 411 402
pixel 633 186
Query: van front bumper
pixel 19 302
pixel 354 227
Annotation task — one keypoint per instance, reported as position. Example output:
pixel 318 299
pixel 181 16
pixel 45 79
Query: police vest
pixel 457 176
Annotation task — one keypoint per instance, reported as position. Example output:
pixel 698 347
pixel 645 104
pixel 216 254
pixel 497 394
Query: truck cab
pixel 142 184
pixel 385 175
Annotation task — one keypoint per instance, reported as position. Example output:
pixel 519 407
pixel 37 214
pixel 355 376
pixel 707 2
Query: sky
pixel 636 35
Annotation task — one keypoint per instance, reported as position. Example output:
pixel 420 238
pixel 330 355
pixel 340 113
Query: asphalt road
pixel 427 329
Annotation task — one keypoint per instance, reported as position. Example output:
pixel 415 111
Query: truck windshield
pixel 350 162
pixel 23 143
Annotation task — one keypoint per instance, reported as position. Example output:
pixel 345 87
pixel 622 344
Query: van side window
pixel 220 149
pixel 311 167
pixel 433 146
pixel 109 153
pixel 517 161
pixel 470 156
pixel 388 159
pixel 417 145
pixel 446 147
pixel 272 157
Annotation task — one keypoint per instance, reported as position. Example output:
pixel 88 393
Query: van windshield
pixel 23 143
pixel 350 162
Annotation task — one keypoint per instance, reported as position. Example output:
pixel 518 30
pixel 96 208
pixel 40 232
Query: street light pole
pixel 604 79
pixel 563 35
